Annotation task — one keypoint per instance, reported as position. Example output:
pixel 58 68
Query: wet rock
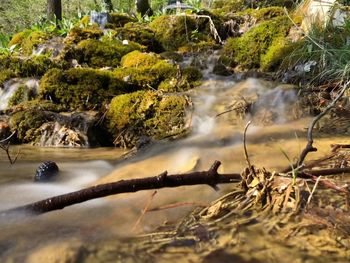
pixel 46 171
pixel 220 69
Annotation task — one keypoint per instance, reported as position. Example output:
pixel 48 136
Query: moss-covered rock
pixel 139 59
pixel 96 53
pixel 39 105
pixel 146 113
pixel 262 14
pixel 139 33
pixel 116 20
pixel 28 40
pixel 145 77
pixel 81 88
pixel 6 74
pixel 18 38
pixel 278 51
pixel 79 33
pixel 26 124
pixel 29 67
pixel 247 51
pixel 186 79
pixel 174 31
pixel 233 6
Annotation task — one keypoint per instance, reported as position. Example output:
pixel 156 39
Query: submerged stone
pixel 46 171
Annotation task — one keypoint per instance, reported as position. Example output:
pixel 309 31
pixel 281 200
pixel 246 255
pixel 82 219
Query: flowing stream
pixel 60 235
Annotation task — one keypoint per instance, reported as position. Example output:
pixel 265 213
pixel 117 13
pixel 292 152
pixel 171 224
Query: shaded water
pixel 61 234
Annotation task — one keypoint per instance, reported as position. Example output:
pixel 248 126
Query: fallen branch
pixel 210 177
pixel 325 172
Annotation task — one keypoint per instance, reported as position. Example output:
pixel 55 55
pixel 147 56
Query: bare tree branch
pixel 309 146
pixel 210 177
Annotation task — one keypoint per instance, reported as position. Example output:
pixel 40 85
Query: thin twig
pixel 144 210
pixel 5 146
pixel 251 169
pixel 313 190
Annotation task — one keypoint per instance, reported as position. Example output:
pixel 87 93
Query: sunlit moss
pixel 248 50
pixel 147 76
pixel 279 50
pixel 78 34
pixel 173 31
pixel 139 59
pixel 146 113
pixel 18 38
pixel 96 53
pixel 5 75
pixel 27 40
pixel 139 33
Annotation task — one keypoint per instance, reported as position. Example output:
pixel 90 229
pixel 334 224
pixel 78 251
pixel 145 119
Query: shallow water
pixel 115 217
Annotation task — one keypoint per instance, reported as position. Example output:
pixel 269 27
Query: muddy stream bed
pixel 105 230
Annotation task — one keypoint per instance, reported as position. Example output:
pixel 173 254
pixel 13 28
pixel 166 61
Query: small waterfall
pixel 12 85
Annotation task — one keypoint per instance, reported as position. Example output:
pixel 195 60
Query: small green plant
pixel 294 169
pixel 4 41
pixel 329 49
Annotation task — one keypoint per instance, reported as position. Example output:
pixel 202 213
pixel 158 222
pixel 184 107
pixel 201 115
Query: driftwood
pixel 210 177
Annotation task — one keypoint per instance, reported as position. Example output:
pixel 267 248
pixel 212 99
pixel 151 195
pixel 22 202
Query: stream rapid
pixel 114 218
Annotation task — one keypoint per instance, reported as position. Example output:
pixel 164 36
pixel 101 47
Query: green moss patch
pixel 116 20
pixel 81 88
pixel 146 113
pixel 5 75
pixel 139 33
pixel 173 31
pixel 147 76
pixel 78 34
pixel 96 53
pixel 139 59
pixel 26 124
pixel 262 14
pixel 248 50
pixel 28 40
pixel 29 67
pixel 22 94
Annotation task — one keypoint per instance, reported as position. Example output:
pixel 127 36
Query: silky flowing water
pixel 84 232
